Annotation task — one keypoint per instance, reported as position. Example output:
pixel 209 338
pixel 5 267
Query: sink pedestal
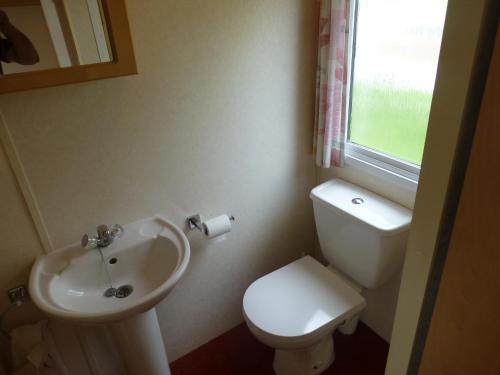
pixel 141 344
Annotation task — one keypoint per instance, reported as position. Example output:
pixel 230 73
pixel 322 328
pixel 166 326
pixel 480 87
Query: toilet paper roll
pixel 217 226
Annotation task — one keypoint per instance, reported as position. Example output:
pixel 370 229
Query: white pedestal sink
pixel 147 261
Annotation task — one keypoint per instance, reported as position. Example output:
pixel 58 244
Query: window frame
pixel 377 159
pixel 357 154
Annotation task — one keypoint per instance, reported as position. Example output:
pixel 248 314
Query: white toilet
pixel 296 308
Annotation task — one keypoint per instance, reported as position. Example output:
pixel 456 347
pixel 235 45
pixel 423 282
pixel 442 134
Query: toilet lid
pixel 299 299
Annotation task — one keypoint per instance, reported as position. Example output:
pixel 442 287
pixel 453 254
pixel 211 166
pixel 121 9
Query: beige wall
pixel 219 119
pixel 19 243
pixel 456 62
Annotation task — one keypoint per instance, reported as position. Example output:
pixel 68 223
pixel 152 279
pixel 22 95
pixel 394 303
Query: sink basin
pixel 147 262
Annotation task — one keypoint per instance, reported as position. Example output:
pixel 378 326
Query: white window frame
pixel 361 155
pixel 366 158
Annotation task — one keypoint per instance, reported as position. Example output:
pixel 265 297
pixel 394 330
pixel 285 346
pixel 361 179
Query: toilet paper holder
pixel 195 222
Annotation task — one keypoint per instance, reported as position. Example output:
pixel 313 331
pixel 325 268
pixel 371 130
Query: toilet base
pixel 312 360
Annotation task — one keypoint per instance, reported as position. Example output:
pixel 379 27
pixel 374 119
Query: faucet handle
pixel 116 231
pixel 89 242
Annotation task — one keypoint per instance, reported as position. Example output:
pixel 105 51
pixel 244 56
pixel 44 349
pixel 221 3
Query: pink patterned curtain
pixel 331 83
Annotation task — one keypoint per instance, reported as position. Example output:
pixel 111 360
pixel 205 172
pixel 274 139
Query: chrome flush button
pixel 357 200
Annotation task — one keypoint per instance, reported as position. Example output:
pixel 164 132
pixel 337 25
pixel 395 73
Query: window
pixel 395 50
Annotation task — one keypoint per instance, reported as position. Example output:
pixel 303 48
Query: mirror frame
pixel 115 14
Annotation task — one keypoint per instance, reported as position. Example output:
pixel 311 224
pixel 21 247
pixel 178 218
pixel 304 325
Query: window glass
pixel 396 51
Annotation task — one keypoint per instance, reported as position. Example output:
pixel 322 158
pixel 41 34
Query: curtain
pixel 331 83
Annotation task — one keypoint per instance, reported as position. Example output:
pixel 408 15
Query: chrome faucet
pixel 104 238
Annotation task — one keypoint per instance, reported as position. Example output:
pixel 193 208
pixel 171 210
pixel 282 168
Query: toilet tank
pixel 360 233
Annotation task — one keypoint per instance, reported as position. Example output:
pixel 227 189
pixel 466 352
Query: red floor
pixel 237 352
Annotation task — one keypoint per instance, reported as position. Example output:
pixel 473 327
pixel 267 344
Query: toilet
pixel 296 309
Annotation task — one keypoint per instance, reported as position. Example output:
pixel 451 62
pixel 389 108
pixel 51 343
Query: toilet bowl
pixel 296 309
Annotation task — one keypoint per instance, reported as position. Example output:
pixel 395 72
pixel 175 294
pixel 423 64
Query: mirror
pixel 49 34
pixel 50 42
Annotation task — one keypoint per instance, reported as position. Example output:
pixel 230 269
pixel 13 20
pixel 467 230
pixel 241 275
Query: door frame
pixel 488 36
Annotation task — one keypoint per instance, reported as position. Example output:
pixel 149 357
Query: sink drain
pixel 121 292
pixel 124 291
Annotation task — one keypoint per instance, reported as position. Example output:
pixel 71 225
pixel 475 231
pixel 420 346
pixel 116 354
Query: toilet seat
pixel 297 304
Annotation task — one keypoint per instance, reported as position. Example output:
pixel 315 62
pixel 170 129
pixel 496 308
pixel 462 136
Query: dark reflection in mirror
pixel 49 34
pixel 15 46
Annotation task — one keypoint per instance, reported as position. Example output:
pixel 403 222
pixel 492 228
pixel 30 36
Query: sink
pixel 70 283
pixel 143 265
